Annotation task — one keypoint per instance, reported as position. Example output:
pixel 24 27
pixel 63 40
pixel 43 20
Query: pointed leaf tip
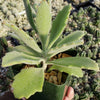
pixel 72 38
pixel 59 24
pixel 29 14
pixel 24 37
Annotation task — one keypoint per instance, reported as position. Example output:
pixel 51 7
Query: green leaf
pixel 28 82
pixel 64 47
pixel 59 24
pixel 26 50
pixel 29 41
pixel 74 36
pixel 16 37
pixel 57 41
pixel 81 62
pixel 14 57
pixel 29 14
pixel 43 21
pixel 75 71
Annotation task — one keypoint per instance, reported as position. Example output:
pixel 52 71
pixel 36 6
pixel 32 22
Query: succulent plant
pixel 91 46
pixel 29 52
pixel 10 10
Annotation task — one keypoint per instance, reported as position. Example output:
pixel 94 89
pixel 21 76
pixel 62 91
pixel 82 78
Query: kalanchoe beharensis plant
pixel 30 80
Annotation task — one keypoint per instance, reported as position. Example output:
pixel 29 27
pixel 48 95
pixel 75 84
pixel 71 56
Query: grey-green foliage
pixel 32 79
pixel 87 19
pixel 84 20
pixel 87 87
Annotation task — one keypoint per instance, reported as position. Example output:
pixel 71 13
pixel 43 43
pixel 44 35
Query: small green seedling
pixel 30 80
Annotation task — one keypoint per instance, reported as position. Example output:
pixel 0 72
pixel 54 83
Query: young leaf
pixel 75 71
pixel 80 62
pixel 14 57
pixel 29 14
pixel 59 24
pixel 29 41
pixel 26 50
pixel 43 21
pixel 28 82
pixel 64 47
pixel 74 36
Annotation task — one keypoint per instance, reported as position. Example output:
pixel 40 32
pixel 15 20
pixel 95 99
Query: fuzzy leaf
pixel 28 82
pixel 64 47
pixel 43 21
pixel 26 50
pixel 75 71
pixel 29 14
pixel 80 62
pixel 14 36
pixel 14 57
pixel 59 24
pixel 29 41
pixel 57 41
pixel 74 36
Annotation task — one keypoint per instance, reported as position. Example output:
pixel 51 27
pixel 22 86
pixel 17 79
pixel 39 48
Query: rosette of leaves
pixel 30 80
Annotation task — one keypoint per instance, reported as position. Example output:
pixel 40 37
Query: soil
pixel 55 76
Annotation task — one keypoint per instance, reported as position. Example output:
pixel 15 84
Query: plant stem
pixel 44 65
